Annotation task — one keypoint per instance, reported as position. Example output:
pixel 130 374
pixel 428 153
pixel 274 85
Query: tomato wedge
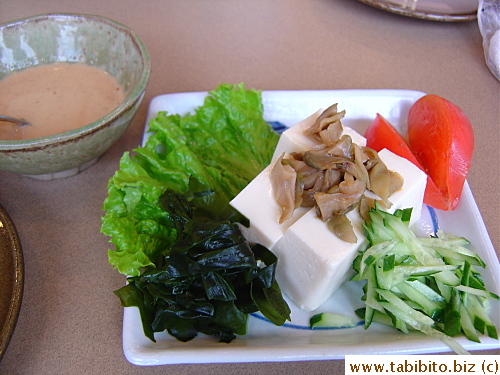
pixel 381 134
pixel 442 139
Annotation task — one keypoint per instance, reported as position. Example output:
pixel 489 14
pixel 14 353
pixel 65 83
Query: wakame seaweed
pixel 209 282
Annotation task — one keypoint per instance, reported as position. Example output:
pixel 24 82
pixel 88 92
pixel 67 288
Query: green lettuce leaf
pixel 225 143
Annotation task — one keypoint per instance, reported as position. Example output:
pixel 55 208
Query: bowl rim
pixel 128 102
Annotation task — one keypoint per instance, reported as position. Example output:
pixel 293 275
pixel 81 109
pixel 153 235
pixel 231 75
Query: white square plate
pixel 295 341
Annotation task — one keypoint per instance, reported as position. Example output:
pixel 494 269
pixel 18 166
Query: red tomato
pixel 442 139
pixel 381 134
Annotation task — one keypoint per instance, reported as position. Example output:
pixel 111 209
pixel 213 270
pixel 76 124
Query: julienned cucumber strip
pixel 331 320
pixel 427 284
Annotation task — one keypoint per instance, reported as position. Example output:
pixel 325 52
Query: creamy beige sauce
pixel 56 98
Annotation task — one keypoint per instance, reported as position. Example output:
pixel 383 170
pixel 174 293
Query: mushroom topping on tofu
pixel 333 177
pixel 341 202
pixel 343 147
pixel 383 182
pixel 342 228
pixel 327 128
pixel 283 179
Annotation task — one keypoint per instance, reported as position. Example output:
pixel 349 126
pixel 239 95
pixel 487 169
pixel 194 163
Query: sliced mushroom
pixel 329 205
pixel 336 177
pixel 383 183
pixel 396 183
pixel 299 191
pixel 352 186
pixel 365 204
pixel 380 180
pixel 360 158
pixel 343 147
pixel 330 118
pixel 332 129
pixel 315 128
pixel 308 194
pixel 322 160
pixel 294 163
pixel 341 226
pixel 283 183
pixel 332 178
pixel 372 156
pixel 312 179
pixel 295 155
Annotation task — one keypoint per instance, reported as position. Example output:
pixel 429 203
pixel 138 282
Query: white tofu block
pixel 294 140
pixel 412 192
pixel 312 261
pixel 256 201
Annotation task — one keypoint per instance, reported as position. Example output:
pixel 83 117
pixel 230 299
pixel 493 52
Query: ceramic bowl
pixel 88 39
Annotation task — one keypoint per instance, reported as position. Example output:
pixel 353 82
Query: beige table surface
pixel 70 322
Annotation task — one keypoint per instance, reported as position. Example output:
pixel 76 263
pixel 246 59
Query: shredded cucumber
pixel 332 320
pixel 427 284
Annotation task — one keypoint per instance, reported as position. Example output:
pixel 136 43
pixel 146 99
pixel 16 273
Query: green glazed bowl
pixel 81 38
